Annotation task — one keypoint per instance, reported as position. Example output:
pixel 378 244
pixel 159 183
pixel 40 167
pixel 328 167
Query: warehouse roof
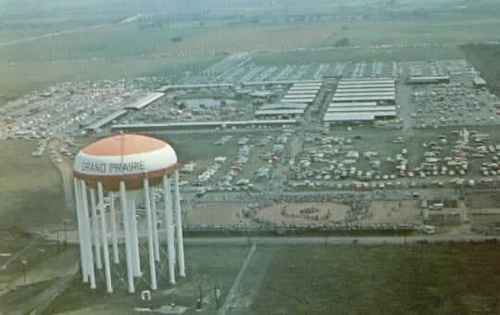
pixel 361 90
pixel 347 94
pixel 250 83
pixel 145 101
pixel 194 86
pixel 364 98
pixel 305 95
pixel 284 106
pixel 298 100
pixel 349 117
pixel 292 92
pixel 106 120
pixel 352 104
pixel 370 80
pixel 277 112
pixel 361 109
pixel 202 124
pixel 429 79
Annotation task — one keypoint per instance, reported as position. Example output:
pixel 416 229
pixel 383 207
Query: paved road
pixel 49 35
pixel 232 292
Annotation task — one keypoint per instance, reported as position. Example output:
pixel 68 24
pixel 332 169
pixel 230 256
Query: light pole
pixel 65 222
pixel 24 262
pixel 57 241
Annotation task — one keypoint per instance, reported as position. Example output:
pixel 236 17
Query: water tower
pixel 116 179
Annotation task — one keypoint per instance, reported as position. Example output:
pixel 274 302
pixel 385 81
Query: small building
pixel 479 82
pixel 429 79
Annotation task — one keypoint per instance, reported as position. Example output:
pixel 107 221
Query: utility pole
pixel 24 262
pixel 65 222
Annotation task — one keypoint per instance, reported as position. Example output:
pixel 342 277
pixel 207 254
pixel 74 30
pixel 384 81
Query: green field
pixel 30 190
pixel 206 267
pixel 416 279
pixel 459 278
pixel 358 54
pixel 455 29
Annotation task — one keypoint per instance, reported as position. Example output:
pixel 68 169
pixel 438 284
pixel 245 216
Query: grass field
pixel 416 279
pixel 456 29
pixel 459 278
pixel 30 190
pixel 357 55
pixel 206 266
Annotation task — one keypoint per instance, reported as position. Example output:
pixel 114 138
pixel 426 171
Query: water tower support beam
pixel 104 233
pixel 114 232
pixel 87 235
pixel 180 242
pixel 95 229
pixel 169 228
pixel 155 225
pixel 136 259
pixel 128 245
pixel 149 219
pixel 83 258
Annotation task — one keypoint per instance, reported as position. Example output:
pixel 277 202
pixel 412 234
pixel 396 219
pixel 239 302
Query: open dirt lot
pixel 215 214
pixel 394 212
pixel 304 212
pixel 407 211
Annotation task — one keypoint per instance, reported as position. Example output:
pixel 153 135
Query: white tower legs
pixel 93 230
pixel 169 228
pixel 155 225
pixel 128 242
pixel 104 233
pixel 87 236
pixel 114 232
pixel 149 219
pixel 178 218
pixel 79 216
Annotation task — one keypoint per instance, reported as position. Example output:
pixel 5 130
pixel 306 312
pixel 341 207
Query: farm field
pixel 113 51
pixel 358 54
pixel 21 79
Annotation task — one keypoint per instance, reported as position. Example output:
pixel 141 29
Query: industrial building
pixel 428 79
pixel 203 125
pixel 379 90
pixel 282 110
pixel 302 93
pixel 362 100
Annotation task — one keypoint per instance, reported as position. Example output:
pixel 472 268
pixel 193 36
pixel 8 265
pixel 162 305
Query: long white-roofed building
pixel 362 100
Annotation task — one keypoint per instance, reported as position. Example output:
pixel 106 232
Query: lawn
pixel 30 190
pixel 416 279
